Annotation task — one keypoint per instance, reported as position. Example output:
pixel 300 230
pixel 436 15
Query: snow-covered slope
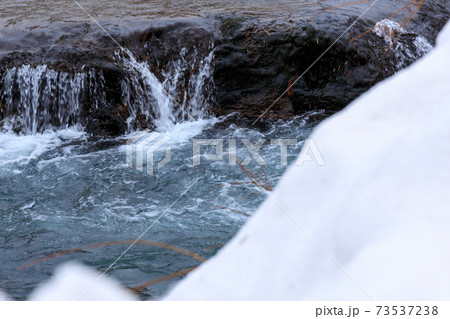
pixel 374 222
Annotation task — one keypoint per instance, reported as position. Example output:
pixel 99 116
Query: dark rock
pixel 107 120
pixel 256 61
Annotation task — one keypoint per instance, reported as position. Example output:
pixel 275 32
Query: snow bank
pixel 77 282
pixel 380 207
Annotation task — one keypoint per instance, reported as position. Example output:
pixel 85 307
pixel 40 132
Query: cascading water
pixel 144 94
pixel 38 98
pixel 197 97
pixel 167 102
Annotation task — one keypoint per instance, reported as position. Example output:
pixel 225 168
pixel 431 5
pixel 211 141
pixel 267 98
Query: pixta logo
pixel 141 148
pixel 309 152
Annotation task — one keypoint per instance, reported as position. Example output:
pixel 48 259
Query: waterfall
pixel 38 98
pixel 171 100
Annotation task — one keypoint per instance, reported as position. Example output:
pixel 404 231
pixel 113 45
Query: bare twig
pixel 114 243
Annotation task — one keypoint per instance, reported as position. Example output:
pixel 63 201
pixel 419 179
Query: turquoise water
pixel 62 190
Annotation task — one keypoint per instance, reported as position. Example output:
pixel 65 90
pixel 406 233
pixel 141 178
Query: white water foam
pixel 182 132
pixel 21 149
pixel 389 30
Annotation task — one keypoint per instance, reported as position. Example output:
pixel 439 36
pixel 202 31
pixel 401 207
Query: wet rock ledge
pixel 255 59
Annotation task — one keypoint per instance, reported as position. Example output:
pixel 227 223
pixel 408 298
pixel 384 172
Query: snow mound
pixel 77 282
pixel 373 223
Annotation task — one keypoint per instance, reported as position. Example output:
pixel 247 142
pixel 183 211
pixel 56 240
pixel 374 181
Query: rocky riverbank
pixel 255 59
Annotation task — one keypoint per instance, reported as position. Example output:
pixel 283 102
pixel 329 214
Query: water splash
pixel 167 102
pixel 388 30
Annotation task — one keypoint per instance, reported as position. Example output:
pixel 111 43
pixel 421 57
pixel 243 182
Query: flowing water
pixel 48 99
pixel 34 13
pixel 145 90
pixel 62 190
